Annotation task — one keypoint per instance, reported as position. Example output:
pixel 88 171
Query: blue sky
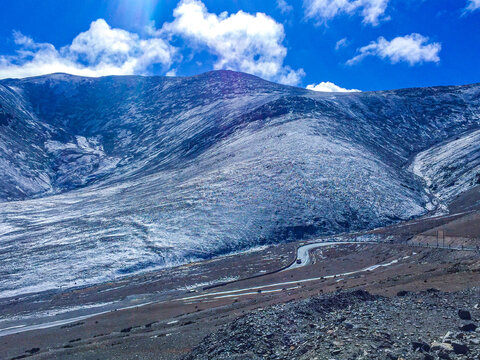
pixel 339 44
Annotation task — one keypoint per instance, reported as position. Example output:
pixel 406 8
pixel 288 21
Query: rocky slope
pixel 450 168
pixel 108 176
pixel 354 325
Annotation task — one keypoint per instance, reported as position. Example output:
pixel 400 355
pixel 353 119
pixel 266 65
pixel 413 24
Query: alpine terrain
pixel 103 177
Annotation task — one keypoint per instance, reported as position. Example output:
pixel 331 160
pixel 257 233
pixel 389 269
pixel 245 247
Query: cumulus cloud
pixel 284 7
pixel 241 41
pixel 327 86
pixel 413 49
pixel 372 11
pixel 341 43
pixel 251 43
pixel 472 5
pixel 101 50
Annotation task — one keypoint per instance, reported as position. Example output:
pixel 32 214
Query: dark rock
pixel 33 350
pixel 468 327
pixel 420 345
pixel 460 349
pixel 464 315
pixel 402 293
pixel 443 355
pixel 126 330
pixel 322 327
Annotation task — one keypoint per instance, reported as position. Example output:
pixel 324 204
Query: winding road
pixel 302 259
pixel 303 252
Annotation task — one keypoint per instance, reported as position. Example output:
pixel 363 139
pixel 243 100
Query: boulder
pixel 464 315
pixel 443 355
pixel 469 327
pixel 436 346
pixel 460 349
pixel 420 345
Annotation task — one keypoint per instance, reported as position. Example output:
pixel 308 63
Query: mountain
pixel 103 177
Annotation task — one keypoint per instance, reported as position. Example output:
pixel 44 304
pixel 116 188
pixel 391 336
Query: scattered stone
pixel 348 325
pixel 464 315
pixel 469 327
pixel 420 345
pixel 441 346
pixel 460 349
pixel 443 355
pixel 447 336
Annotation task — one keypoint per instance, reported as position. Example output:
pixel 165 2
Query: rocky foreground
pixel 280 315
pixel 354 325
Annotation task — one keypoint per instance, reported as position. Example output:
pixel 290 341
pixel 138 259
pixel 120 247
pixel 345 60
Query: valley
pixel 169 312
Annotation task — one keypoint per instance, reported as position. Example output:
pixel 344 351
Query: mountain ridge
pixel 123 174
pixel 236 72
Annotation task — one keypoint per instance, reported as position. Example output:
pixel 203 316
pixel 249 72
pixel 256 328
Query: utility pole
pixel 441 233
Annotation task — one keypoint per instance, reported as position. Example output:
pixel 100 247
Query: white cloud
pixel 328 86
pixel 241 41
pixel 251 43
pixel 172 72
pixel 372 11
pixel 101 50
pixel 413 49
pixel 341 43
pixel 284 7
pixel 473 5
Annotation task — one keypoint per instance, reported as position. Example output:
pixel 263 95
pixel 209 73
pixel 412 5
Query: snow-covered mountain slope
pixel 37 158
pixel 22 160
pixel 450 168
pixel 144 172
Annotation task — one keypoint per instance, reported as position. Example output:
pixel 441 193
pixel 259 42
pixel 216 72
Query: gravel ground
pixel 354 325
